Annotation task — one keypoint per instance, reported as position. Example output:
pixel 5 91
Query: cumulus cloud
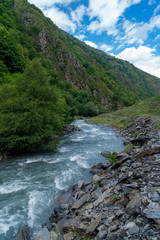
pixel 48 3
pixel 78 14
pixel 80 36
pixel 106 48
pixel 142 57
pixel 138 32
pixel 150 2
pixel 107 14
pixel 61 19
pixel 91 44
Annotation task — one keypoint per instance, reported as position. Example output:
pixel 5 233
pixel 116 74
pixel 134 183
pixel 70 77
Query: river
pixel 29 184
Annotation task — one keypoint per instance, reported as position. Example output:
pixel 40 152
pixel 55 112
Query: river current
pixel 30 184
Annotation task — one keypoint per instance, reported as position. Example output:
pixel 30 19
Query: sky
pixel 126 29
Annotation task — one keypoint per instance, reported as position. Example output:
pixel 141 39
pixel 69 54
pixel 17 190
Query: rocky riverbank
pixel 123 199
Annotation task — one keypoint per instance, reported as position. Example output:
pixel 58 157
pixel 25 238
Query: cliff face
pixel 109 81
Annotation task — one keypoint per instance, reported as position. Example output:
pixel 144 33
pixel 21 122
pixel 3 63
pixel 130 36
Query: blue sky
pixel 127 29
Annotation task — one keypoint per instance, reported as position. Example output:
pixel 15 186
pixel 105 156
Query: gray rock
pixel 59 226
pixel 131 227
pixel 80 184
pixel 101 235
pixel 93 225
pixel 44 234
pixel 74 223
pixel 152 211
pixel 134 205
pixel 106 194
pixel 80 202
pixel 24 234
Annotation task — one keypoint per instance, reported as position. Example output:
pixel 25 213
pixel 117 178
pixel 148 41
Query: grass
pixel 111 157
pixel 122 117
pixel 116 198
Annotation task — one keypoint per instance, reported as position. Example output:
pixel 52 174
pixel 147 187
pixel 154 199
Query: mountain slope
pixel 109 81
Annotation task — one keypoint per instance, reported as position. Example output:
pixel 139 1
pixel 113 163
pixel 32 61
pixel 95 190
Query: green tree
pixel 32 111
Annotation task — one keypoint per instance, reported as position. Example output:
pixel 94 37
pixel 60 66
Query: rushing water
pixel 29 184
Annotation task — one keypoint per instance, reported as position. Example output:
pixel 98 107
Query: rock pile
pixel 123 199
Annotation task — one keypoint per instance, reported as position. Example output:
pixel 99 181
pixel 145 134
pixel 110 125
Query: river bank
pixel 122 201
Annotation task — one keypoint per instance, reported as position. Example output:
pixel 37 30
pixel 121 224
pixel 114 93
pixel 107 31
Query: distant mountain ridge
pixel 108 80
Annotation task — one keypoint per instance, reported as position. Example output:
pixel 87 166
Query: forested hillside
pixel 47 77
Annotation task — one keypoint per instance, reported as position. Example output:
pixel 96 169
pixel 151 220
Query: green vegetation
pixel 128 148
pixel 96 184
pixel 122 117
pixel 135 134
pixel 111 157
pixel 116 198
pixel 47 77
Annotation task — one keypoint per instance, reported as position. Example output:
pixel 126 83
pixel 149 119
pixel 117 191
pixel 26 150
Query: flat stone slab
pixel 74 223
pixel 80 202
pixel 93 225
pixel 152 211
pixel 102 197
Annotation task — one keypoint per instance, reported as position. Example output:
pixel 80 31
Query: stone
pixel 104 195
pixel 74 224
pixel 80 184
pixel 65 200
pixel 93 225
pixel 101 235
pixel 132 228
pixel 134 205
pixel 68 236
pixel 97 193
pixel 152 211
pixel 80 202
pixel 59 226
pixel 24 234
pixel 44 234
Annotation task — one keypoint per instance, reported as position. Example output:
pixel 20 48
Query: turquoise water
pixel 29 184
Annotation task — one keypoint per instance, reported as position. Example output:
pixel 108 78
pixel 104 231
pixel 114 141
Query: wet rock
pixel 80 184
pixel 65 200
pixel 80 202
pixel 24 234
pixel 93 225
pixel 44 234
pixel 59 226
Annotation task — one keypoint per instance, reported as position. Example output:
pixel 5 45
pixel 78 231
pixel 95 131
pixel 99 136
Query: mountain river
pixel 29 184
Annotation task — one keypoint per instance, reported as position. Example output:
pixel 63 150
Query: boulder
pixel 44 234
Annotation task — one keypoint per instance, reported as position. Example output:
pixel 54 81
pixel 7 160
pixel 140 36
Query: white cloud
pixel 48 3
pixel 78 14
pixel 142 57
pixel 150 2
pixel 157 10
pixel 91 44
pixel 107 14
pixel 60 19
pixel 138 32
pixel 80 36
pixel 106 48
